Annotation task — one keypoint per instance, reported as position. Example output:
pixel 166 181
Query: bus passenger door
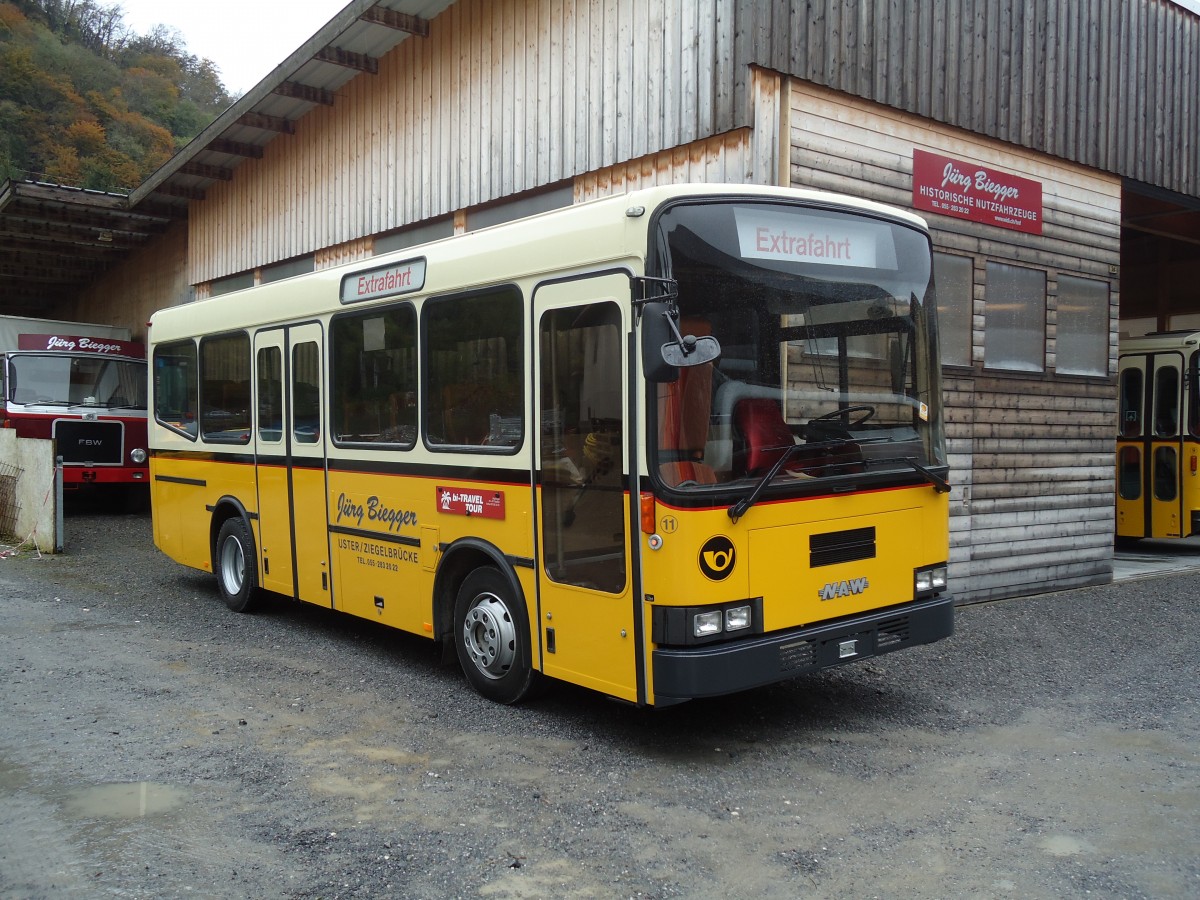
pixel 1152 438
pixel 585 606
pixel 306 462
pixel 271 464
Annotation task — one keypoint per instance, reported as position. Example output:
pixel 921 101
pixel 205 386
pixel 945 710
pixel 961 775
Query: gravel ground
pixel 154 744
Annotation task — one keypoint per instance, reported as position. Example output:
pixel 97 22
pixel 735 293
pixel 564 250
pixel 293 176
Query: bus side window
pixel 1193 383
pixel 474 357
pixel 306 393
pixel 374 377
pixel 1131 402
pixel 175 400
pixel 1166 401
pixel 270 394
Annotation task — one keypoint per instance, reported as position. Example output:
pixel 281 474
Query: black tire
pixel 235 563
pixel 492 638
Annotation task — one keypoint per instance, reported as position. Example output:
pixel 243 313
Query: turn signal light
pixel 648 513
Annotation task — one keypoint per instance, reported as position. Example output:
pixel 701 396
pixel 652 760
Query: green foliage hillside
pixel 85 102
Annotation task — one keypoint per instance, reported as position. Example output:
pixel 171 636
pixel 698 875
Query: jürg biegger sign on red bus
pixel 73 343
pixel 967 190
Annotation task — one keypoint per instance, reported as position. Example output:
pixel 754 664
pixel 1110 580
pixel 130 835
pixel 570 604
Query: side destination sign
pixel 398 278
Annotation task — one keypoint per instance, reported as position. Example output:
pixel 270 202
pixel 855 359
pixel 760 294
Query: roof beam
pixel 50 235
pixel 348 59
pixel 235 148
pixel 47 274
pixel 306 92
pixel 267 123
pixel 45 243
pixel 178 190
pixel 200 170
pixel 378 15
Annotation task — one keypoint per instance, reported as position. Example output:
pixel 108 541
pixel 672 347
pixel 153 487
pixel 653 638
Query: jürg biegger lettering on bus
pixel 374 510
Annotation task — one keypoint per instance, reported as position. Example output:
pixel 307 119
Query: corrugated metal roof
pixel 350 43
pixel 54 240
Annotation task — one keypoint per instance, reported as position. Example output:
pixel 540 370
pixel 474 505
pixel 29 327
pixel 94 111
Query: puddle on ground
pixel 125 800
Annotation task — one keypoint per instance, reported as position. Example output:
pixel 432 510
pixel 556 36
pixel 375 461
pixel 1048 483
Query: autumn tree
pixel 84 101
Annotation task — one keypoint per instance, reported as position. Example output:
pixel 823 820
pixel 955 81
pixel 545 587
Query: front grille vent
pixel 841 546
pixel 93 443
pixel 892 632
pixel 798 655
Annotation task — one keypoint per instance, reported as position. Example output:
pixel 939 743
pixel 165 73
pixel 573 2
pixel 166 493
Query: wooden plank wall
pixel 152 278
pixel 502 97
pixel 1031 454
pixel 724 158
pixel 1112 84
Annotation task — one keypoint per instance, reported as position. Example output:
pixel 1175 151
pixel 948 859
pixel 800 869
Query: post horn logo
pixel 717 558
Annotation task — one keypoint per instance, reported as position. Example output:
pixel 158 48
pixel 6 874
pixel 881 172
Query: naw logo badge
pixel 716 558
pixel 836 589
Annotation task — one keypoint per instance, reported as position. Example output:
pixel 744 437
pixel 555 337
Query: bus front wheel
pixel 492 638
pixel 235 566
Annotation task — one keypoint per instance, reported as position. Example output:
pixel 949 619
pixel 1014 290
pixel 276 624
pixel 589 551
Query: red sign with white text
pixel 954 187
pixel 69 343
pixel 465 502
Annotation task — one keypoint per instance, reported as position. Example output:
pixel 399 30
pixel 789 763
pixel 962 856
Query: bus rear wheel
pixel 492 639
pixel 235 566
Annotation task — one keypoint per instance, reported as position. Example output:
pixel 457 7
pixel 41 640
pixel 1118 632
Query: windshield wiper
pixel 740 508
pixel 940 484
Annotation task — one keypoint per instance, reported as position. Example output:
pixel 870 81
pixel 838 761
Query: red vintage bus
pixel 82 388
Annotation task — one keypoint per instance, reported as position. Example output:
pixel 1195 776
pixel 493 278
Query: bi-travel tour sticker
pixel 717 558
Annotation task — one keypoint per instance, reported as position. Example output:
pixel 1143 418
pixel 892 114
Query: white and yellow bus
pixel 667 445
pixel 1158 439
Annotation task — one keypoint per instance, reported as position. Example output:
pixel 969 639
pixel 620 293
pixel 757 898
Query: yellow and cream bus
pixel 673 444
pixel 1158 440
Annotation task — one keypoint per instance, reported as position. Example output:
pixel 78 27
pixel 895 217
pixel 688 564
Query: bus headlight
pixel 689 626
pixel 737 618
pixel 707 623
pixel 137 455
pixel 930 580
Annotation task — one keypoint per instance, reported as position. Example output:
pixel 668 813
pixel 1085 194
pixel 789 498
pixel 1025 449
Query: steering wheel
pixel 844 414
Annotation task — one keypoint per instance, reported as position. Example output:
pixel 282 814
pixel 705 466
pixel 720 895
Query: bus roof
pixel 584 235
pixel 1159 341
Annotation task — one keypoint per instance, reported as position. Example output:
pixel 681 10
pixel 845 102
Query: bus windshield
pixel 828 367
pixel 61 380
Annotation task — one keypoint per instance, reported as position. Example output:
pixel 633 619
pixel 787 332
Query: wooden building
pixel 407 119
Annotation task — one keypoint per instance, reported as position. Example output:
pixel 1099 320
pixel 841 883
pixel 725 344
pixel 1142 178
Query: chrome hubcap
pixel 233 566
pixel 490 636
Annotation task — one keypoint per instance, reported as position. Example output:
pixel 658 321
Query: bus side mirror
pixel 665 351
pixel 656 331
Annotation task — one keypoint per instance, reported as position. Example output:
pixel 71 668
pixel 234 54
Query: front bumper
pixel 687 673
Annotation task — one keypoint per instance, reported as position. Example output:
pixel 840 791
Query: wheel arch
pixel 224 509
pixel 459 559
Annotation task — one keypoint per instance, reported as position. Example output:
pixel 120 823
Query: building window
pixel 474 360
pixel 1015 331
pixel 277 272
pixel 230 283
pixel 1082 334
pixel 527 205
pixel 433 230
pixel 953 278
